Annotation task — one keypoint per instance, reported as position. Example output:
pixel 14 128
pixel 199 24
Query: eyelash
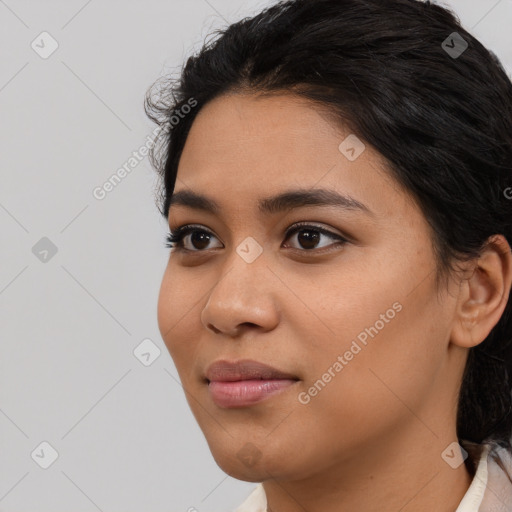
pixel 175 239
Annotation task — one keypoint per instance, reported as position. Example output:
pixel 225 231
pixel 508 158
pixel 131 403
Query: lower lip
pixel 242 393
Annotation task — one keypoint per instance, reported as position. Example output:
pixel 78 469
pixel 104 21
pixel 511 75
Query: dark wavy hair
pixel 443 122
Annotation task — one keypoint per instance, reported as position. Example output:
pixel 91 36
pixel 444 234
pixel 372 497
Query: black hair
pixel 395 73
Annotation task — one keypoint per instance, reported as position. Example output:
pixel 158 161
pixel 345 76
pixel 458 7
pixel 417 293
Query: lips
pixel 247 369
pixel 245 383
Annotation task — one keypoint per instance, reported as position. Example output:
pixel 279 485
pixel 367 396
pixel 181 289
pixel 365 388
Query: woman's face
pixel 359 325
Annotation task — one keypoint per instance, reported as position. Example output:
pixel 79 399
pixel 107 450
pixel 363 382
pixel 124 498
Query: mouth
pixel 245 383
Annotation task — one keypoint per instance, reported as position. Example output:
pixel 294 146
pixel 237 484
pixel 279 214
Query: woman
pixel 337 177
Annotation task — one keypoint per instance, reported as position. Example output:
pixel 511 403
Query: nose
pixel 244 297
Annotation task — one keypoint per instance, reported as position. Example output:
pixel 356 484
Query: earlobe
pixel 483 295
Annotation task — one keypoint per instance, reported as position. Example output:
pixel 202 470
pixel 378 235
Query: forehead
pixel 244 147
pixel 273 128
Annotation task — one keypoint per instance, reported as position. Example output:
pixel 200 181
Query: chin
pixel 243 460
pixel 239 469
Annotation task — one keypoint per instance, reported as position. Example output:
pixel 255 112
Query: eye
pixel 309 237
pixel 198 236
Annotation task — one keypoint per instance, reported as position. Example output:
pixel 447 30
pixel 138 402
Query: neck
pixel 405 474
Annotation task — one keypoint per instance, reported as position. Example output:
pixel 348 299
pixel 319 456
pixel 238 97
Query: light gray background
pixel 125 437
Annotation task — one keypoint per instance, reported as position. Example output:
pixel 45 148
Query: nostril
pixel 213 328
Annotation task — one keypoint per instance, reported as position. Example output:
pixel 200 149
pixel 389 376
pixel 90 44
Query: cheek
pixel 165 309
pixel 391 356
pixel 351 304
pixel 391 341
pixel 176 310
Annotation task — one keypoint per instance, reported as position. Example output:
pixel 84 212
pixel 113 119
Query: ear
pixel 483 295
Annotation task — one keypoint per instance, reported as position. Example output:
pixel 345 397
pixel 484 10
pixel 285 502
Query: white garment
pixel 472 500
pixel 491 476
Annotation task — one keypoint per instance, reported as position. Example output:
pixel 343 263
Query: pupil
pixel 200 236
pixel 311 240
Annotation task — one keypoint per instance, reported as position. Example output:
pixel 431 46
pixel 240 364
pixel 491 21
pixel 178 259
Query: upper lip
pixel 246 369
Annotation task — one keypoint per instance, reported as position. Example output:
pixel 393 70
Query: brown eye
pixel 193 239
pixel 309 236
pixel 199 239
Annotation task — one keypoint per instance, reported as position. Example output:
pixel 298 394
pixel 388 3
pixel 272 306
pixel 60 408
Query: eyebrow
pixel 289 199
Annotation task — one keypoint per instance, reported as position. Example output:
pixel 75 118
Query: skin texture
pixel 372 438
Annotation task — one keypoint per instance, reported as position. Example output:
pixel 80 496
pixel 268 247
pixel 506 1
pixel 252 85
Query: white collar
pixel 474 495
pixel 255 502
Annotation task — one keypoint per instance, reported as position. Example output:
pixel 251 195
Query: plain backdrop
pixel 79 276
